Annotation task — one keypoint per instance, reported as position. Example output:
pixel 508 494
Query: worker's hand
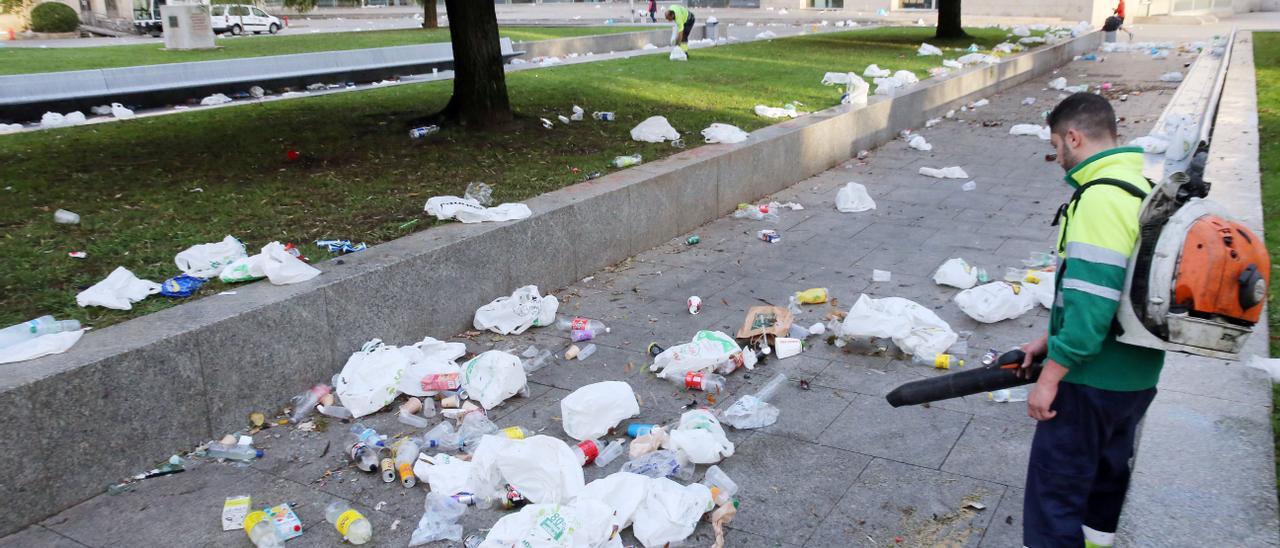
pixel 1041 399
pixel 1032 350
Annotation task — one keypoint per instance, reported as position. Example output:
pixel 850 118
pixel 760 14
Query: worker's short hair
pixel 1088 113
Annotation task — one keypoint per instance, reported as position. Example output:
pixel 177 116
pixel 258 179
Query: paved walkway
pixel 841 467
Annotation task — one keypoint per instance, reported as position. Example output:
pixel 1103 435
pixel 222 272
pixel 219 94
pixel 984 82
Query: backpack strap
pixel 1075 198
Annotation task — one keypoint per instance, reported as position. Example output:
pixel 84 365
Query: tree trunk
pixel 479 82
pixel 949 20
pixel 430 17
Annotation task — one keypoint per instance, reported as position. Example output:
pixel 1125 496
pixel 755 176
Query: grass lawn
pixel 33 60
pixel 1266 51
pixel 148 188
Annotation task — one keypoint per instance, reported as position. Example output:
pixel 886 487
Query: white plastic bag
pixel 678 54
pixel 670 512
pixel 589 412
pixel 708 349
pixel 282 268
pixel 1043 291
pixel 996 301
pixel 209 260
pixel 906 77
pixel 1021 30
pixel 541 468
pixel 215 99
pixel 919 143
pixel 654 129
pixel 975 58
pixel 1171 77
pixel 470 211
pixel 952 63
pixel 1030 129
pixel 838 78
pixel 621 491
pixel 853 198
pixel 953 172
pixel 856 92
pixel 368 381
pixel 118 291
pixel 927 49
pixel 1270 365
pixel 583 524
pixel 776 112
pixel 700 437
pixel 429 357
pixel 766 35
pixel 445 474
pixel 44 345
pixel 956 273
pixel 492 377
pixel 750 412
pixel 1059 83
pixel 724 133
pixel 874 71
pixel 512 315
pixel 1151 144
pixel 888 86
pixel 913 328
pixel 439 520
pixel 119 111
pixel 243 269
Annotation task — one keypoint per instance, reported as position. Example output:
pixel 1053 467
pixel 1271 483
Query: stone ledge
pixel 133 393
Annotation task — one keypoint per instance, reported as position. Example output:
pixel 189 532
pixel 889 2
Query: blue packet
pixel 181 286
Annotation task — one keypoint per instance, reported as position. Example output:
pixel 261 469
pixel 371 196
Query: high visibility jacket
pixel 1097 235
pixel 681 13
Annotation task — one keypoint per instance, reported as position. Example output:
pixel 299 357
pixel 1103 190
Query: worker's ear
pixel 1074 139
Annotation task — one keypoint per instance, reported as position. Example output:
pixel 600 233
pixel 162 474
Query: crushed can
pixel 770 236
pixel 513 498
pixel 604 116
pixel 421 132
pixel 693 240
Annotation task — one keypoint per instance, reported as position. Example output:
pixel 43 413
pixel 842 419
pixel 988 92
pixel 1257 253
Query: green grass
pixel 35 60
pixel 134 183
pixel 1266 51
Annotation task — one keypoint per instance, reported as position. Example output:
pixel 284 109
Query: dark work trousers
pixel 688 27
pixel 1079 469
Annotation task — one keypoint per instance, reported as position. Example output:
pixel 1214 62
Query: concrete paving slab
pixel 1005 527
pixel 38 536
pixel 994 450
pixel 871 427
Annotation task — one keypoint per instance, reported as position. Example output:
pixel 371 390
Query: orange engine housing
pixel 1232 288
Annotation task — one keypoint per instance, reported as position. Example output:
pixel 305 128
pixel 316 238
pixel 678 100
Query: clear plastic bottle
pixel 219 450
pixel 349 522
pixel 262 532
pixel 474 426
pixel 626 161
pixel 514 432
pixel 1008 395
pixel 722 488
pixel 586 351
pixel 698 380
pixel 587 451
pixel 610 452
pixel 406 454
pixel 26 331
pixel 410 419
pixel 578 323
pixel 664 463
pixel 442 438
pixel 335 411
pixel 770 389
pixel 305 403
pixel 940 361
pixel 363 455
pixel 368 435
pixel 537 361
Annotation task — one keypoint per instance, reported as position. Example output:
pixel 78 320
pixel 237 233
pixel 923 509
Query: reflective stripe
pixel 1096 254
pixel 1057 300
pixel 1092 289
pixel 1098 538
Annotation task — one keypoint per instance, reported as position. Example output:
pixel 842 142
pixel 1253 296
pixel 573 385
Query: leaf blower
pixel 1001 373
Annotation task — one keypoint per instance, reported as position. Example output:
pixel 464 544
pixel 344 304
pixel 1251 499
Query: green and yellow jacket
pixel 1097 235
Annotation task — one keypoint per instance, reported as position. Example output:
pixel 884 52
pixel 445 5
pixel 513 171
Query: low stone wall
pixel 131 394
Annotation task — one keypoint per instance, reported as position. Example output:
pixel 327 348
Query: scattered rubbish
pixel 951 63
pixel 707 350
pixel 1051 157
pixel 678 54
pixel 700 437
pixel 581 329
pixel 234 511
pixel 762 212
pixel 701 381
pixel 880 276
pixel 626 161
pixel 926 49
pixel 938 361
pixel 583 523
pixel 724 133
pixel 954 172
pixel 215 99
pixel 654 129
pixel 816 295
pixel 648 46
pixel 563 119
pixel 932 122
pixel 545 469
pixel 1029 101
pixel 10 128
pixel 64 217
pixel 766 35
pixel 77 254
pixel 765 320
pixel 853 198
pixel 439 520
pixel 918 142
pixel 959 274
pixel 423 131
pixel 979 103
pixel 914 329
pixel 1151 144
pixel 1059 83
pixel 285 520
pixel 470 211
pixel 769 235
pixel 874 71
pixel 237 451
pixel 695 304
pixel 181 286
pixel 1021 30
pixel 479 192
pixel 118 291
pixel 305 403
pixel 994 302
pixel 755 411
pixel 260 529
pixel 1008 395
pixel 1030 129
pixel 54 119
pixel 282 267
pixel 975 58
pixel 547 123
pixel 492 377
pixel 577 114
pixel 349 522
pixel 1171 77
pixel 969 186
pixel 592 411
pixel 340 247
pixel 788 111
pixel 604 116
pixel 786 347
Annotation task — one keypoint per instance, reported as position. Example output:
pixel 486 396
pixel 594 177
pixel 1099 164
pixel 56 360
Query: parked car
pixel 241 18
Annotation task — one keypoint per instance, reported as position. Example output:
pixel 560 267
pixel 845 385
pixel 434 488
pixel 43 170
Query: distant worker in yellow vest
pixel 683 19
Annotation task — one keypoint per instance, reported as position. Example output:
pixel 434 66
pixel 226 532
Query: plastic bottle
pixel 261 530
pixel 349 522
pixel 940 361
pixel 218 450
pixel 664 463
pixel 64 217
pixel 817 295
pixel 305 403
pixel 1008 395
pixel 368 435
pixel 26 331
pixel 514 432
pixel 722 488
pixel 410 419
pixel 441 437
pixel 363 455
pixel 406 455
pixel 537 361
pixel 698 380
pixel 637 430
pixel 626 161
pixel 770 389
pixel 335 411
pixel 587 451
pixel 612 451
pixel 586 352
pixel 582 329
pixel 474 426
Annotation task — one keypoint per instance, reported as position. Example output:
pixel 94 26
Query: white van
pixel 241 18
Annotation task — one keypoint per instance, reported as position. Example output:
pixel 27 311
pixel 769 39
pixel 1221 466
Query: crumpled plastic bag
pixel 118 291
pixel 215 99
pixel 429 357
pixel 621 491
pixel 766 35
pixel 1183 132
pixel 839 78
pixel 1171 77
pixel 918 142
pixel 541 468
pixel 700 437
pixel 724 133
pixel 470 211
pixel 119 111
pixel 750 412
pixel 670 512
pixel 44 345
pixel 209 260
pixel 589 412
pixel 853 198
pixel 975 58
pixel 439 520
pixel 586 523
pixel 956 273
pixel 492 377
pixel 874 71
pixel 54 119
pixel 678 54
pixel 952 63
pixel 1151 144
pixel 447 475
pixel 368 381
pixel 1059 83
pixel 243 269
pixel 777 112
pixel 1043 291
pixel 512 315
pixel 996 301
pixel 953 172
pixel 1030 129
pixel 648 443
pixel 707 349
pixel 888 85
pixel 282 268
pixel 927 49
pixel 1269 365
pixel 654 129
pixel 913 328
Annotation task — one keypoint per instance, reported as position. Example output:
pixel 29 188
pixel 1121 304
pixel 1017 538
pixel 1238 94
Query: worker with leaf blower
pixel 1092 390
pixel 683 18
